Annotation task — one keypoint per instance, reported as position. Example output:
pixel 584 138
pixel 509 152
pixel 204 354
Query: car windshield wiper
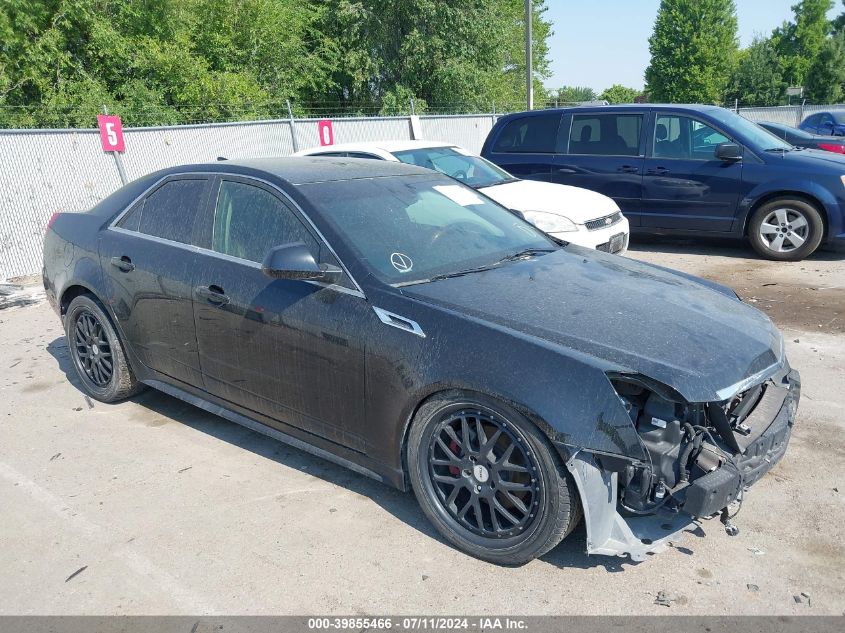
pixel 480 269
pixel 526 253
pixel 779 149
pixel 457 273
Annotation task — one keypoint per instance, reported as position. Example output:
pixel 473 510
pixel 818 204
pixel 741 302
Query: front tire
pixel 786 229
pixel 97 353
pixel 488 479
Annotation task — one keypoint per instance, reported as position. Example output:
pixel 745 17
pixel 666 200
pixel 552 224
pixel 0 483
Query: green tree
pixel 839 22
pixel 172 61
pixel 825 79
pixel 799 43
pixel 693 51
pixel 450 53
pixel 572 94
pixel 618 93
pixel 757 80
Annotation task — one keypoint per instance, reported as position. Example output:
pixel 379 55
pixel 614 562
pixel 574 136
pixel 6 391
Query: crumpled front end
pixel 700 459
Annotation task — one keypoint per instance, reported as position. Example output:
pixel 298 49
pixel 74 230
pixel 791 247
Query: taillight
pixel 52 220
pixel 830 147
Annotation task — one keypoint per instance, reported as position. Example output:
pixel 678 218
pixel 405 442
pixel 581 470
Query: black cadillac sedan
pixel 391 319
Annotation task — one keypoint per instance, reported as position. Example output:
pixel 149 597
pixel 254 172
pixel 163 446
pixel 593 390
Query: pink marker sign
pixel 325 132
pixel 111 132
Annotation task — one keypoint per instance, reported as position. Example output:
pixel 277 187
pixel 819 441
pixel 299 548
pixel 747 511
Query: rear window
pixel 168 212
pixel 529 135
pixel 606 134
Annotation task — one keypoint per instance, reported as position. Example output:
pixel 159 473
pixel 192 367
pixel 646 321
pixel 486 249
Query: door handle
pixel 212 294
pixel 628 169
pixel 657 171
pixel 124 264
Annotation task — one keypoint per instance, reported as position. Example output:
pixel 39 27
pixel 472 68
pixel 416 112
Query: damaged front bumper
pixel 614 531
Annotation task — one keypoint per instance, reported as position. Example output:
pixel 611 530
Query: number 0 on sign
pixel 111 132
pixel 325 132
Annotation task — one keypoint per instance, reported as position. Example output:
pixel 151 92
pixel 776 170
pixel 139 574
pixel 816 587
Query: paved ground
pixel 153 506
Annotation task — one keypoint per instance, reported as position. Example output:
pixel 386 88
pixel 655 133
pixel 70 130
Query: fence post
pixel 800 112
pixel 118 159
pixel 294 142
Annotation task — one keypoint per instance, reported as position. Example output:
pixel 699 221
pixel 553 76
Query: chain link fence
pixel 45 171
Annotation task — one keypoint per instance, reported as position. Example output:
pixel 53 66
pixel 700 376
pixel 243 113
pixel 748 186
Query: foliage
pixel 169 61
pixel 572 94
pixel 618 93
pixel 693 51
pixel 757 80
pixel 798 43
pixel 825 82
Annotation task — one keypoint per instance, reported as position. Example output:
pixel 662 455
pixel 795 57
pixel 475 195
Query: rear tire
pixel 511 501
pixel 786 229
pixel 97 353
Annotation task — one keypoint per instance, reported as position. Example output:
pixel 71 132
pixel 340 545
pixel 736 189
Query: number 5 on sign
pixel 111 133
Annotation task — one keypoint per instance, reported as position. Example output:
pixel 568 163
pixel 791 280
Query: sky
pixel 598 43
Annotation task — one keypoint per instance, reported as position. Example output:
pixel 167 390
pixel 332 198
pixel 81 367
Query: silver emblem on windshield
pixel 401 262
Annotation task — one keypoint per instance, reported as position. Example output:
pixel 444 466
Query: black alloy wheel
pixel 96 351
pixel 92 349
pixel 484 474
pixel 489 479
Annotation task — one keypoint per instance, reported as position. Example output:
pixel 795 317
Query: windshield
pixel 412 228
pixel 456 163
pixel 759 138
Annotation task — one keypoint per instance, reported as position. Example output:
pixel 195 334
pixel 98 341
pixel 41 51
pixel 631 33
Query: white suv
pixel 572 214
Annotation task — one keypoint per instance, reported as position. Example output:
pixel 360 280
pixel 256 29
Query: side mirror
pixel 295 261
pixel 730 152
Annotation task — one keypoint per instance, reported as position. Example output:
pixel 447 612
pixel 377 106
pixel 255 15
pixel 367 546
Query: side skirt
pixel 259 427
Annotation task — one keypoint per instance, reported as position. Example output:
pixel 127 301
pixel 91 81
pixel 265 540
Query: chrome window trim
pixel 397 320
pixel 357 291
pixel 230 258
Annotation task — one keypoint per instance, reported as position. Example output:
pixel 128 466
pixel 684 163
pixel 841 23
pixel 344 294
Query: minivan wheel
pixel 96 352
pixel 488 479
pixel 786 229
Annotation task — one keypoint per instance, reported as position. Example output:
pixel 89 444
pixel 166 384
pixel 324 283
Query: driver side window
pixel 684 138
pixel 249 221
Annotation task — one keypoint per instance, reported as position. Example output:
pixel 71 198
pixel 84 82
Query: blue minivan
pixel 684 169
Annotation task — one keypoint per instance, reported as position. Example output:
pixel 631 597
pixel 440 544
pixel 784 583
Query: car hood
pixel 632 316
pixel 830 162
pixel 577 204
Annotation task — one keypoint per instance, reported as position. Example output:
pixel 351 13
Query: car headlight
pixel 843 179
pixel 550 222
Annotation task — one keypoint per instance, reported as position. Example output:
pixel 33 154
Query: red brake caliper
pixel 453 446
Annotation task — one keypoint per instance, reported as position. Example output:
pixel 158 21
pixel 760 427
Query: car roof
pixel 304 170
pixel 693 107
pixel 782 126
pixel 385 146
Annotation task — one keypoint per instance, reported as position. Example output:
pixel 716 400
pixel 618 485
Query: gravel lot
pixel 155 507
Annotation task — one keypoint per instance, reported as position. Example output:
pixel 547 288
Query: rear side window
pixel 529 135
pixel 168 212
pixel 249 221
pixel 606 134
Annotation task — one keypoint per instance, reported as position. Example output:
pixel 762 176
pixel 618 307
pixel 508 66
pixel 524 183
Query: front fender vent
pixel 398 321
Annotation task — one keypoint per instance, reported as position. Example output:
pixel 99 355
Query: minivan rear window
pixel 606 134
pixel 529 135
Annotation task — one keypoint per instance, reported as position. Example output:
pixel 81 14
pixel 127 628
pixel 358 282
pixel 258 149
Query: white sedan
pixel 572 214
